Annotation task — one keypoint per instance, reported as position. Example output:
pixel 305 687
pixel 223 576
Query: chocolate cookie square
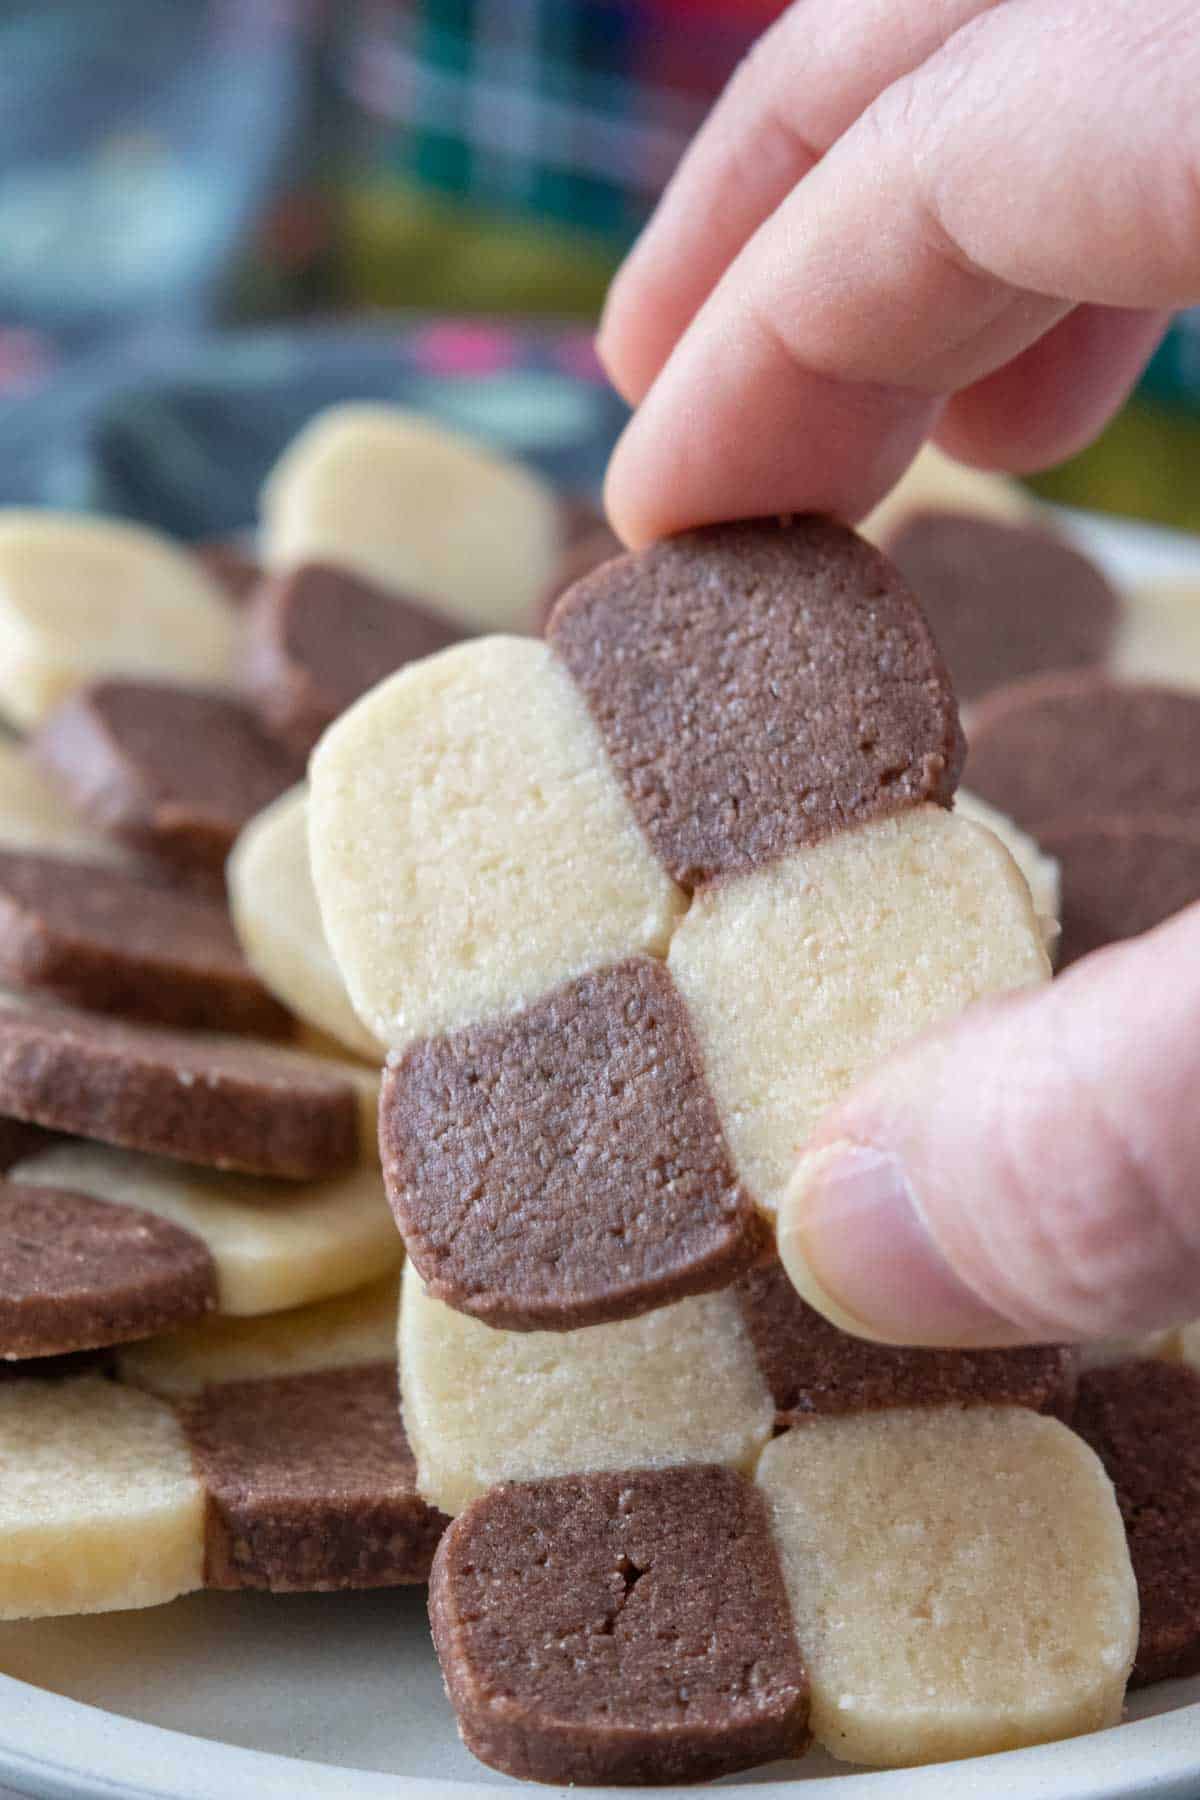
pixel 311 1484
pixel 619 1628
pixel 566 1166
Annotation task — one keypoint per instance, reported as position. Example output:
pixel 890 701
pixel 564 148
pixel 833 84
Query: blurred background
pixel 212 212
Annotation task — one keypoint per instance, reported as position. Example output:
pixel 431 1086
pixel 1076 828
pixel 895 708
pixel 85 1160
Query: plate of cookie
pixel 426 937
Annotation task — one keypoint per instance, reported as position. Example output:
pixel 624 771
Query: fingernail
pixel 852 1239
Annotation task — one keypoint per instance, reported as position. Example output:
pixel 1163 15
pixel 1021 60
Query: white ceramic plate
pixel 286 1698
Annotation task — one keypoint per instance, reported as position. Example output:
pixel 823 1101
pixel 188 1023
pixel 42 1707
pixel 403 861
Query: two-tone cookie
pixel 608 902
pixel 619 1628
pixel 959 1580
pixel 84 597
pixel 1099 770
pixel 1041 871
pixel 919 1585
pixel 413 510
pixel 270 1244
pixel 271 1459
pixel 34 815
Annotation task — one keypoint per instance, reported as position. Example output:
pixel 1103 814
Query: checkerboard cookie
pixel 919 1585
pixel 271 1458
pixel 605 899
pixel 414 510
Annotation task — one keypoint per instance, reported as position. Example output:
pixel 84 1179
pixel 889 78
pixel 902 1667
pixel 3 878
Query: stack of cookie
pixel 198 1267
pixel 623 909
pixel 1055 667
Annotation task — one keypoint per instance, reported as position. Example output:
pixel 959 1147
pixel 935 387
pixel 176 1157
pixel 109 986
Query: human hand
pixel 906 216
pixel 1003 196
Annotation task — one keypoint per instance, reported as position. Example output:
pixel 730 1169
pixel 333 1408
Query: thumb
pixel 1031 1173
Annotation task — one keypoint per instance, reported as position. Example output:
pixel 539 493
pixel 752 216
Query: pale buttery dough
pixel 278 922
pixel 415 509
pixel 1041 872
pixel 935 482
pixel 100 1507
pixel 82 596
pixel 678 1385
pixel 959 1581
pixel 274 1244
pixel 471 847
pixel 34 815
pixel 802 977
pixel 354 1328
pixel 1158 638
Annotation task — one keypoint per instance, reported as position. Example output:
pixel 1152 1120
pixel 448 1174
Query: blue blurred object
pixel 181 435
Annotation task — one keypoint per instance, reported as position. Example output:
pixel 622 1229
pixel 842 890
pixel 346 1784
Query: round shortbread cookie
pixel 81 597
pixel 277 919
pixel 1121 877
pixel 342 1333
pixel 802 978
pixel 1004 600
pixel 100 1506
pixel 1082 747
pixel 274 1245
pixel 959 1581
pixel 678 1385
pixel 416 510
pixel 471 847
pixel 78 1273
pixel 1041 872
pixel 172 771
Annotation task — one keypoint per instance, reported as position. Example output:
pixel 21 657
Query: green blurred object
pixel 450 255
pixel 1145 465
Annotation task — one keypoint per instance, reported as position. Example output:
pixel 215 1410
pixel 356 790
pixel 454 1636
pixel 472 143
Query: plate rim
pixel 51 1744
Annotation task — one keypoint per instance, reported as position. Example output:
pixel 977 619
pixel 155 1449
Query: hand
pixel 909 216
pixel 906 216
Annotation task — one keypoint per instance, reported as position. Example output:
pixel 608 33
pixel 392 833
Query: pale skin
pixel 964 219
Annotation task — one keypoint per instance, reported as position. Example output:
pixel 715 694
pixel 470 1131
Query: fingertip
pixel 855 1245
